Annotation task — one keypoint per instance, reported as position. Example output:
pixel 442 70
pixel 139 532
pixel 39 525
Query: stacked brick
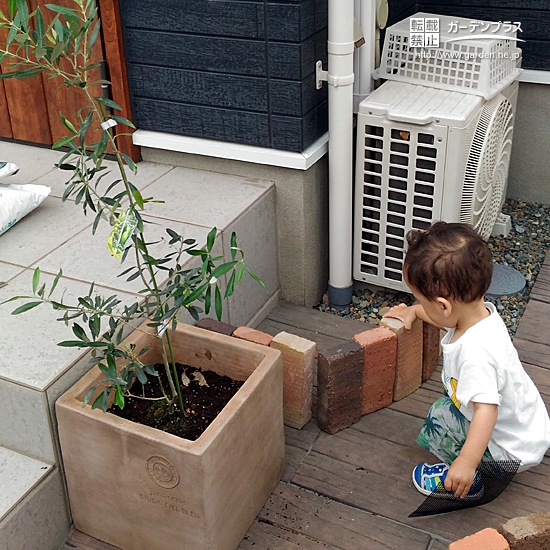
pixel 298 362
pixel 367 373
pixel 522 533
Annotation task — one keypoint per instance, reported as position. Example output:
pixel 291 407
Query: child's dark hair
pixel 449 260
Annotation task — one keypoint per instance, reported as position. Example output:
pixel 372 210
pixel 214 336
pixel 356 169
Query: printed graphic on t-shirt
pixel 451 385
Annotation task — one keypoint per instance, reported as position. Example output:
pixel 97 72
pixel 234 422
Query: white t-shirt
pixel 483 366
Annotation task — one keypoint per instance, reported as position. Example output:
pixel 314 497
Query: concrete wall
pixel 529 177
pixel 302 217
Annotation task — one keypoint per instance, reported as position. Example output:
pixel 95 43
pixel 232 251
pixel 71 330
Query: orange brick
pixel 298 359
pixel 408 373
pixel 252 335
pixel 487 539
pixel 430 350
pixel 530 532
pixel 379 361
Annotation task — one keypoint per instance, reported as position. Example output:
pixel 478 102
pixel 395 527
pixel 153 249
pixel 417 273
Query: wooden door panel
pixel 5 124
pixel 30 108
pixel 26 104
pixel 27 110
pixel 59 98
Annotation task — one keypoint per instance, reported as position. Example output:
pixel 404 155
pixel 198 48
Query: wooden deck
pixel 353 490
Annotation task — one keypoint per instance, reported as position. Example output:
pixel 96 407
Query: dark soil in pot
pixel 202 402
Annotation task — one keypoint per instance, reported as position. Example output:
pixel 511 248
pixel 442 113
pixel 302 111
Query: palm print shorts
pixel 444 431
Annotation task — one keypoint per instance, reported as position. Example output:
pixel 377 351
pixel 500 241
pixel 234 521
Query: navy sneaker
pixel 429 479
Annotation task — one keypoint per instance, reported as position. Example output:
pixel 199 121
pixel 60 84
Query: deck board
pixel 352 490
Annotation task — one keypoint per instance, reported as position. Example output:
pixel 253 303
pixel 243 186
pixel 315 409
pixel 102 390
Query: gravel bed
pixel 524 249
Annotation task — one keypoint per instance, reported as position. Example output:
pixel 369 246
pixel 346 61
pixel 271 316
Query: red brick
pixel 487 539
pixel 339 381
pixel 216 326
pixel 431 349
pixel 527 532
pixel 408 372
pixel 379 360
pixel 252 335
pixel 298 359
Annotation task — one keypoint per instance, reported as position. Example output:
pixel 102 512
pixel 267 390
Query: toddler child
pixel 491 409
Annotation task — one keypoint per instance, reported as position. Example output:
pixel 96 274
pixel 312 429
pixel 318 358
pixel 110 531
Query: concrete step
pixel 33 513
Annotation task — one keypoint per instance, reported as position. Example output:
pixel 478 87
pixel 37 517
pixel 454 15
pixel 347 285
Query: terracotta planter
pixel 139 488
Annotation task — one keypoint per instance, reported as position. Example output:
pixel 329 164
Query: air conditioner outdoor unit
pixel 426 154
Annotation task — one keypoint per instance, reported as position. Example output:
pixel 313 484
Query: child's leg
pixel 444 431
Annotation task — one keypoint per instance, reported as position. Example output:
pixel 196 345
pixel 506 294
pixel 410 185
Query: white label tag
pixel 109 123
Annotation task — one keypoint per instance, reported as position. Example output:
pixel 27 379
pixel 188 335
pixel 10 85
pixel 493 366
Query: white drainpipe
pixel 340 111
pixel 340 78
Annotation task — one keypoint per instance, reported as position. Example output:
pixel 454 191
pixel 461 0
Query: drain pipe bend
pixel 340 108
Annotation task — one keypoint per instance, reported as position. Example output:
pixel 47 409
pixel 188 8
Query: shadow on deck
pixel 353 490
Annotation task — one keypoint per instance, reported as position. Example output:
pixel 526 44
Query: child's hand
pixel 460 477
pixel 404 313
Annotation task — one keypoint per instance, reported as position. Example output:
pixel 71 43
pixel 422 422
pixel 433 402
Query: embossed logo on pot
pixel 162 472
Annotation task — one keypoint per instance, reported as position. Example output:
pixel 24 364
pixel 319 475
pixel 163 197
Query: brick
pixel 298 360
pixel 431 349
pixel 487 539
pixel 527 532
pixel 408 372
pixel 216 326
pixel 253 335
pixel 339 382
pixel 379 361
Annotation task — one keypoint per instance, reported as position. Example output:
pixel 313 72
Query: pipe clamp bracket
pixel 323 76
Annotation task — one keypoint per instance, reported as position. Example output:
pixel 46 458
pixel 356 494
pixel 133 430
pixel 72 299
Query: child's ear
pixel 445 305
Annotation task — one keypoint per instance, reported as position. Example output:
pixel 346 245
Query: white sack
pixel 17 201
pixel 7 169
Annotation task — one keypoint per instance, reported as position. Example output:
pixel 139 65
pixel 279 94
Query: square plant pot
pixel 137 487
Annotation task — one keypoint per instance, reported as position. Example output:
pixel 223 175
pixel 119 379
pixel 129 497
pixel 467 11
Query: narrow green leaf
pixel 35 280
pixel 233 245
pixel 67 12
pixel 119 397
pixel 79 332
pixel 93 37
pixel 108 103
pixel 131 164
pixel 68 124
pixel 55 281
pixel 223 269
pixel 137 196
pixel 256 278
pixel 39 24
pixel 25 307
pixel 240 273
pixel 207 299
pixel 62 142
pixel 230 285
pixel 210 239
pixel 89 395
pixel 122 120
pixel 57 51
pixel 218 303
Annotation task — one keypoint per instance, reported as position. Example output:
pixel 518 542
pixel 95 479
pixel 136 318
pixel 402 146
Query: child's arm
pixel 461 473
pixel 408 314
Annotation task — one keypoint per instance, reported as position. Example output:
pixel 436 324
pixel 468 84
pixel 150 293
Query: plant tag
pixel 122 232
pixel 162 328
pixel 109 123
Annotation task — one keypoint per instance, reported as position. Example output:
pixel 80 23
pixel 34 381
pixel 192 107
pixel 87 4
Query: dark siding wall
pixel 240 71
pixel 399 9
pixel 534 16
